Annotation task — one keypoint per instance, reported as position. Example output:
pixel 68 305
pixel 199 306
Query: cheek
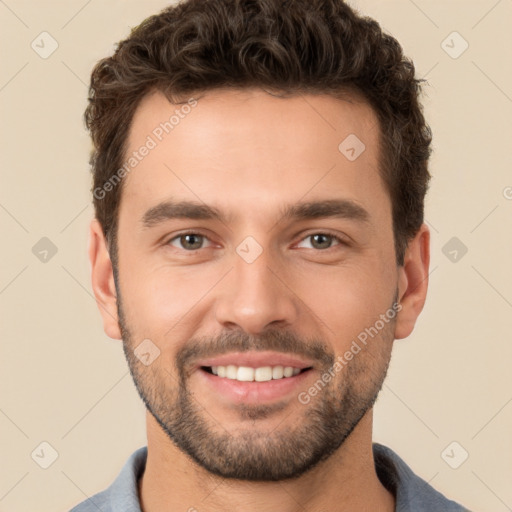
pixel 346 301
pixel 160 298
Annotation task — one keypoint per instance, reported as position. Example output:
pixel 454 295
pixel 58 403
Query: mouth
pixel 257 377
pixel 259 374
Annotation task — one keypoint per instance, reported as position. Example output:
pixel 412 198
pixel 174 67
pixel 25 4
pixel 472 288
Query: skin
pixel 248 154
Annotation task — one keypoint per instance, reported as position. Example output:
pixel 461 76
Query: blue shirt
pixel 412 494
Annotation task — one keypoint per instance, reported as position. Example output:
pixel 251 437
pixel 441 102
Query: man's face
pixel 256 288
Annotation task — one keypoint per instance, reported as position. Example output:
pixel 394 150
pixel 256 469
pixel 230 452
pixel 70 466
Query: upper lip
pixel 256 360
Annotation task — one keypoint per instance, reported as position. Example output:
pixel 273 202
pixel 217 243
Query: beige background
pixel 64 382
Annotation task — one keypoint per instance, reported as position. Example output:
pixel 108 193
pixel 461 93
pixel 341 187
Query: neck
pixel 346 481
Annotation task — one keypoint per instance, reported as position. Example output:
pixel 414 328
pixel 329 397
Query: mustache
pixel 238 341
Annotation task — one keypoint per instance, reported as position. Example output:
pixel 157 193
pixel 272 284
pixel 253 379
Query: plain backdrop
pixel 63 382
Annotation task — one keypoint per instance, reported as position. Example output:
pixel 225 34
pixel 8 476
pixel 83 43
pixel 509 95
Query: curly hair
pixel 289 47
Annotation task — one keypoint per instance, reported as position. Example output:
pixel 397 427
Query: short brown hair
pixel 290 46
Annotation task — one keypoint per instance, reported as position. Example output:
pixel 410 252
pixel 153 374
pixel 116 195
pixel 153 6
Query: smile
pixel 248 374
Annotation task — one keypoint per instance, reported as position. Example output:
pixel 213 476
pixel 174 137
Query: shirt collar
pixel 410 491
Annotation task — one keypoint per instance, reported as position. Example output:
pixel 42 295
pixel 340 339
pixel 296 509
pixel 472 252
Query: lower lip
pixel 254 392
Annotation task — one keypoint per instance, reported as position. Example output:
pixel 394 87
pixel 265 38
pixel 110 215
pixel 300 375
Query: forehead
pixel 249 146
pixel 233 113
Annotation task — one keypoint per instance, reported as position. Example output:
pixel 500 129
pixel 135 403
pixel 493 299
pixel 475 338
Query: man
pixel 259 171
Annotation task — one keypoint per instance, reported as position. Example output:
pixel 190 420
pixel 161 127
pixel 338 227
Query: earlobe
pixel 102 278
pixel 413 282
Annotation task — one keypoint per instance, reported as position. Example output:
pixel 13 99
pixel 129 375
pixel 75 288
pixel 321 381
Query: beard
pixel 308 434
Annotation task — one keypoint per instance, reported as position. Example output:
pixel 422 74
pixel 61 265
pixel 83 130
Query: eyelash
pixel 341 241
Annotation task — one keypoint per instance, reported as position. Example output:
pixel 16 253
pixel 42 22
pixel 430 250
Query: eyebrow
pixel 333 208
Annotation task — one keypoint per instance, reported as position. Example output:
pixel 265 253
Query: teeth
pixel 277 372
pixel 261 374
pixel 231 371
pixel 245 374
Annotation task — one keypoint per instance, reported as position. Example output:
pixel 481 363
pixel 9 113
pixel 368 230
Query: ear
pixel 102 277
pixel 413 282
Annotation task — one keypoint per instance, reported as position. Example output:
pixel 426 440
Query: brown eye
pixel 322 241
pixel 188 241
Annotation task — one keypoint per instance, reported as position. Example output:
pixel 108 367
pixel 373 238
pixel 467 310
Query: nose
pixel 256 296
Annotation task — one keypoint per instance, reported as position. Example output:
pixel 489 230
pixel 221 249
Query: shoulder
pixel 122 495
pixel 411 491
pixel 97 503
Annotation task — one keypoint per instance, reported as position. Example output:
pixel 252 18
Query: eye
pixel 192 241
pixel 188 241
pixel 322 241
